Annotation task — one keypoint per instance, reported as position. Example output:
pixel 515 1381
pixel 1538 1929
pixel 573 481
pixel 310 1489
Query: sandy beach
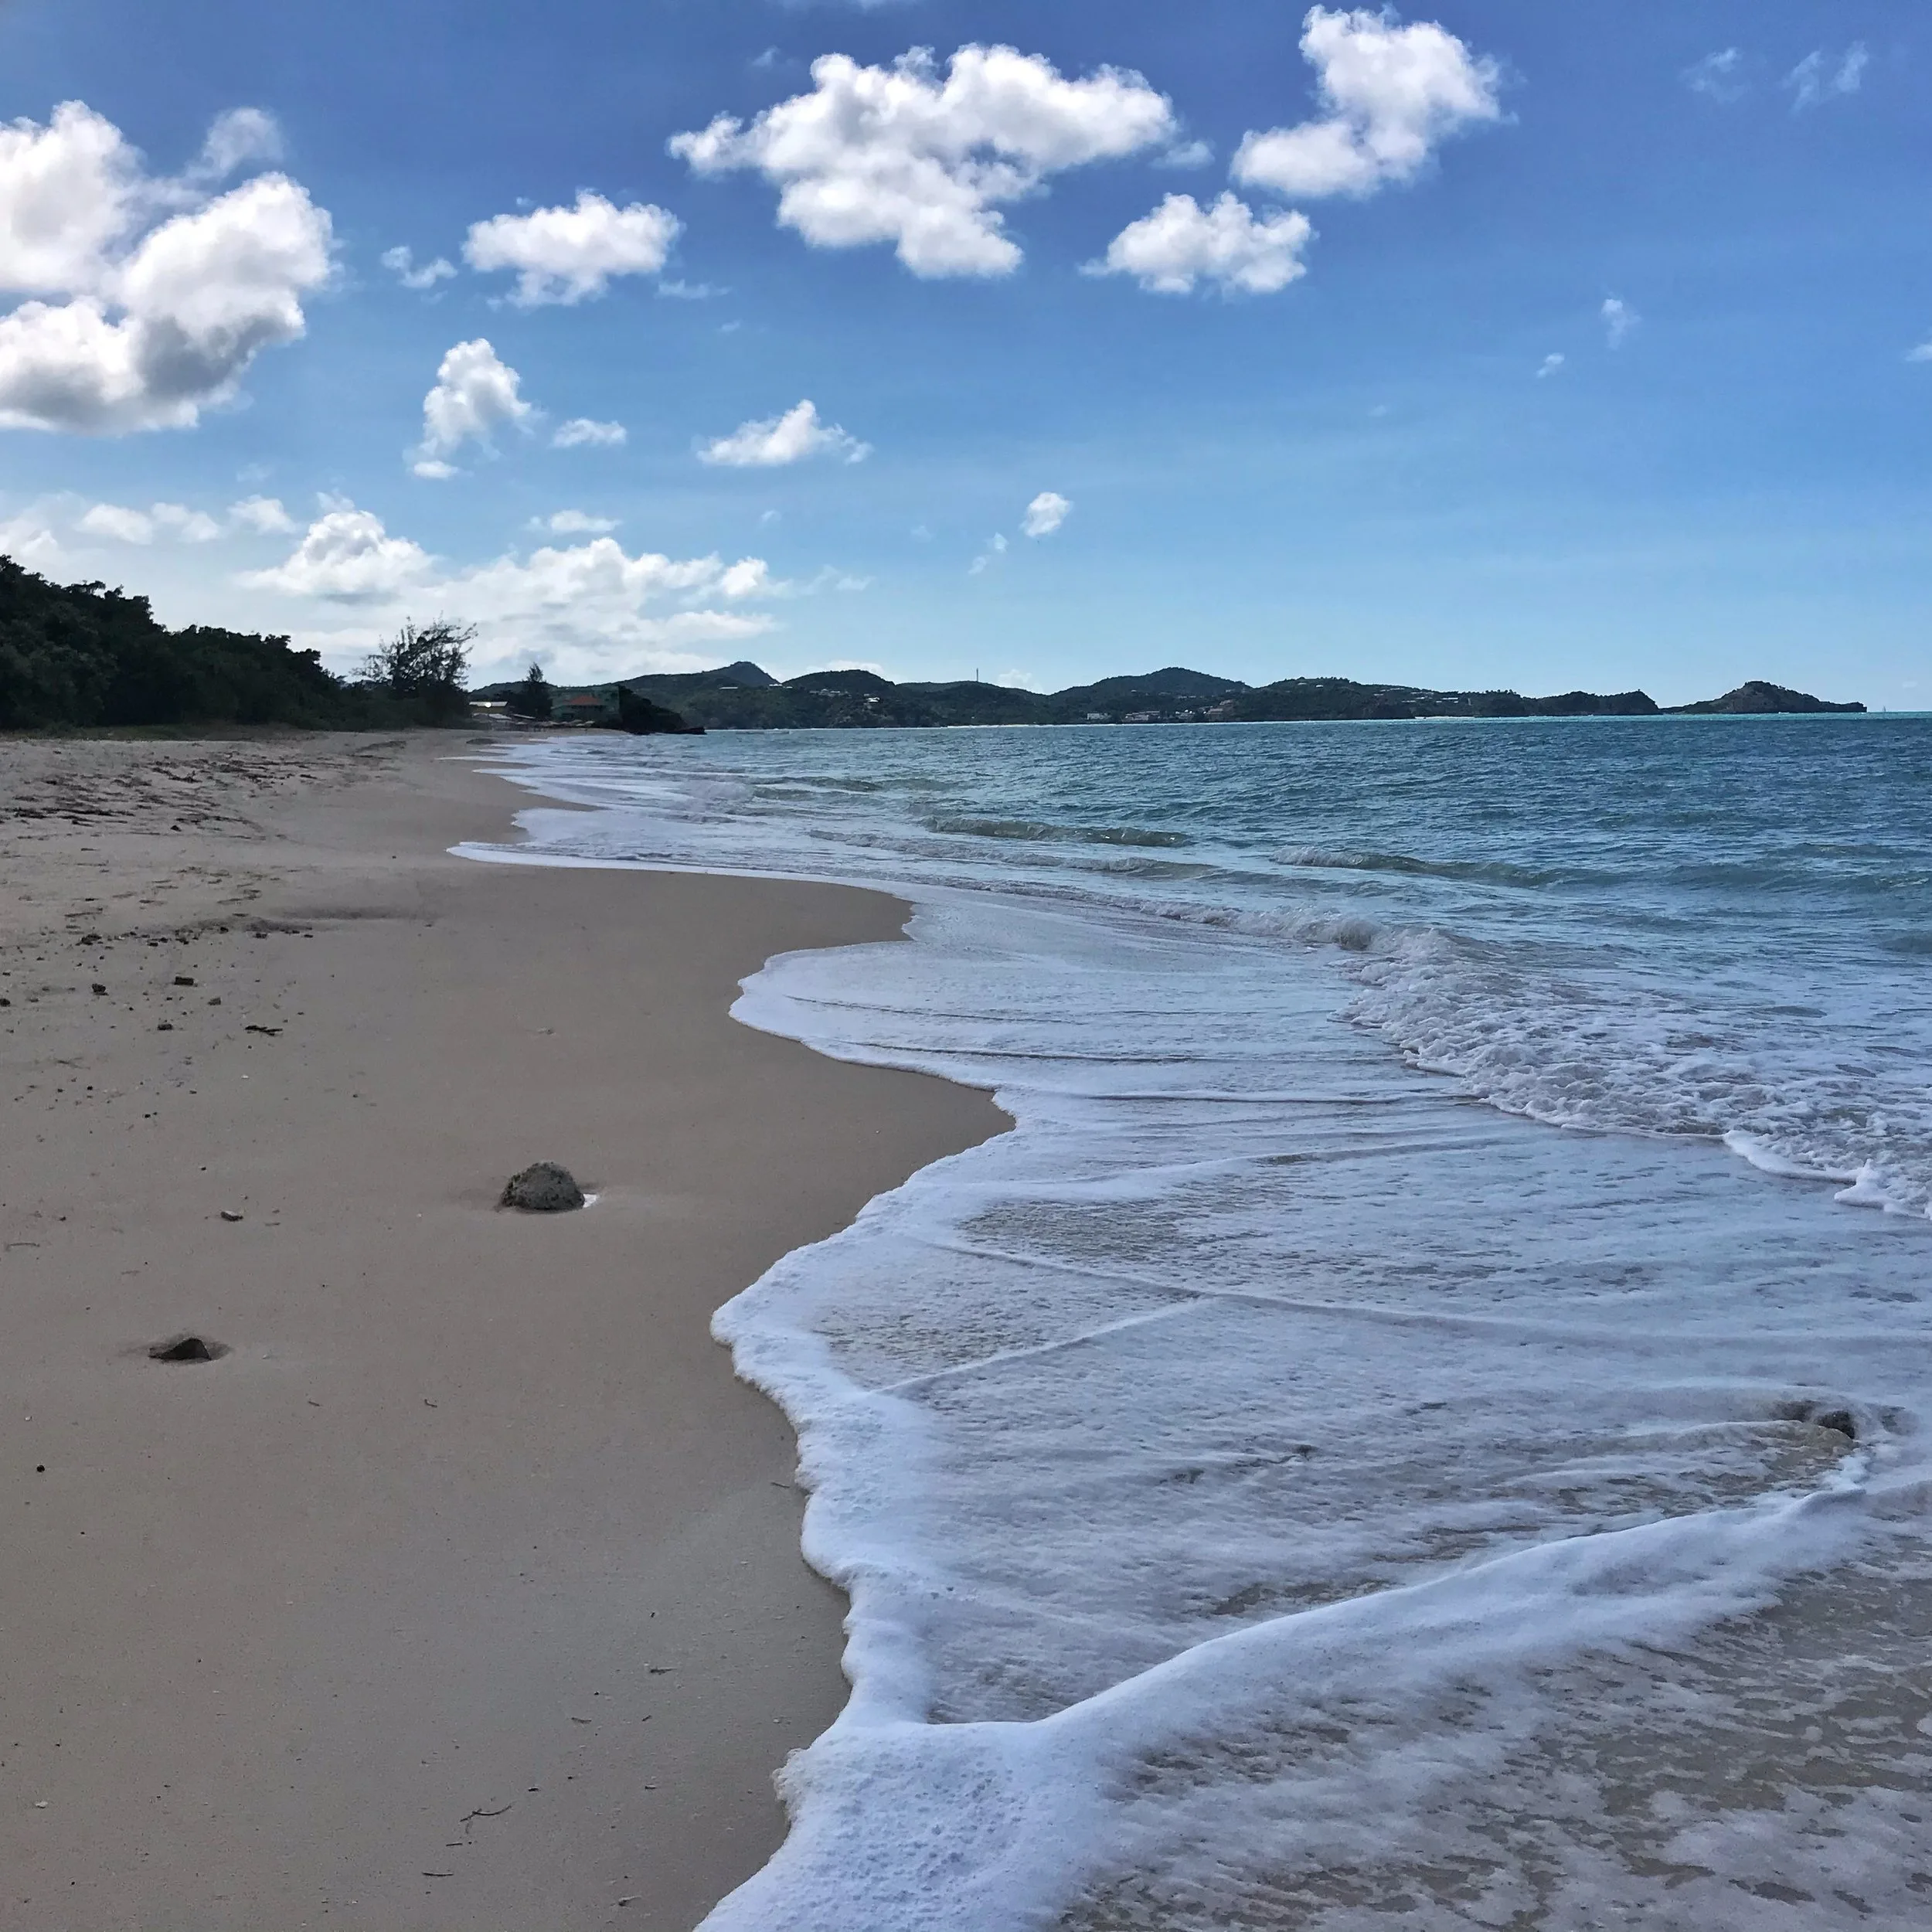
pixel 464 1591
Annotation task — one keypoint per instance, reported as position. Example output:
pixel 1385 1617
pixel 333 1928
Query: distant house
pixel 586 709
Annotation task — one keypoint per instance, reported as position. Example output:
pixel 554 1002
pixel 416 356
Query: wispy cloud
pixel 1620 319
pixel 1718 76
pixel 1820 77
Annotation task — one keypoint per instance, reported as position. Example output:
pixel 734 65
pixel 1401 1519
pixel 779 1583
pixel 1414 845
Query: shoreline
pixel 476 1505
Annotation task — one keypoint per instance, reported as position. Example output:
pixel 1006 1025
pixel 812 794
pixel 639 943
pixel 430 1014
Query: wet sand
pixel 464 1592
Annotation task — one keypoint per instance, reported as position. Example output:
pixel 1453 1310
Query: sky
pixel 1489 343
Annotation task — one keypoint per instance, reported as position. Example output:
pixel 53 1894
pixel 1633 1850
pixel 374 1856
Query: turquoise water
pixel 1422 1421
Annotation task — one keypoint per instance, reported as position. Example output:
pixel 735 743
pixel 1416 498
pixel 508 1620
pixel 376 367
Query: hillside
pixel 744 697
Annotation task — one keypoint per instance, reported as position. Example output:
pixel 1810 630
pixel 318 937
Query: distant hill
pixel 744 697
pixel 1758 700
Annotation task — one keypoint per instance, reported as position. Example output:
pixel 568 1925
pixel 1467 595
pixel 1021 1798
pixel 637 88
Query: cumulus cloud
pixel 1549 366
pixel 565 255
pixel 1391 94
pixel 1227 245
pixel 402 263
pixel 588 611
pixel 1820 77
pixel 347 556
pixel 1184 154
pixel 778 440
pixel 574 523
pixel 126 525
pixel 1046 513
pixel 28 540
pixel 262 515
pixel 903 155
pixel 123 526
pixel 159 319
pixel 1921 354
pixel 1619 319
pixel 475 392
pixel 581 432
pixel 1718 76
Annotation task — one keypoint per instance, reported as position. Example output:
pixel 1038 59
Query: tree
pixel 532 698
pixel 641 716
pixel 425 665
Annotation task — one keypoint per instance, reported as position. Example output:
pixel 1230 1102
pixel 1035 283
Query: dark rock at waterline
pixel 188 1348
pixel 545 1189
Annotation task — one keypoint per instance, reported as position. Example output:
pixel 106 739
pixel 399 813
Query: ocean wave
pixel 1272 1488
pixel 1036 832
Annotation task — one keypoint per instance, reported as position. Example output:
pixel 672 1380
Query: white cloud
pixel 401 262
pixel 588 611
pixel 27 539
pixel 1046 513
pixel 574 523
pixel 1549 366
pixel 262 515
pixel 691 291
pixel 69 193
pixel 236 138
pixel 1921 354
pixel 1819 78
pixel 475 392
pixel 1719 76
pixel 1392 94
pixel 582 433
pixel 778 440
pixel 191 526
pixel 565 255
pixel 1619 319
pixel 898 155
pixel 995 547
pixel 1181 242
pixel 124 525
pixel 432 469
pixel 1186 154
pixel 160 320
pixel 346 556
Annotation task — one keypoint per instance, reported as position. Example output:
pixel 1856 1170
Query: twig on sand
pixel 468 1816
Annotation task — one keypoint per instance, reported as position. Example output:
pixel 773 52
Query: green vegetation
pixel 424 669
pixel 533 699
pixel 80 655
pixel 744 697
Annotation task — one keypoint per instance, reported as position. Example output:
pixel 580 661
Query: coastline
pixel 475 1515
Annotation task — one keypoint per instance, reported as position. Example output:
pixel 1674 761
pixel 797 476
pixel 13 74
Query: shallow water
pixel 1285 1482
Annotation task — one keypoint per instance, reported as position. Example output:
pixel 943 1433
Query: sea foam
pixel 1271 1487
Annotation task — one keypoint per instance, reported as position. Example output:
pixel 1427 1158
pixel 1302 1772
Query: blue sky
pixel 1538 345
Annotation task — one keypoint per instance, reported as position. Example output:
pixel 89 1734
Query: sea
pixel 1423 1421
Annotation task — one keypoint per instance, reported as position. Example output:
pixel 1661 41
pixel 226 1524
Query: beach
pixel 464 1589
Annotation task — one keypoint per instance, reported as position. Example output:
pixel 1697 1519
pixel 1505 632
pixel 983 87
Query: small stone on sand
pixel 187 1347
pixel 545 1189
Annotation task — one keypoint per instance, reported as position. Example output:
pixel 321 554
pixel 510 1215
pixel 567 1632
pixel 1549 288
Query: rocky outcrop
pixel 1758 700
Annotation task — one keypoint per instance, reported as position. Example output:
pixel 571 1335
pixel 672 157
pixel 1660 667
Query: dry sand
pixel 464 1592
